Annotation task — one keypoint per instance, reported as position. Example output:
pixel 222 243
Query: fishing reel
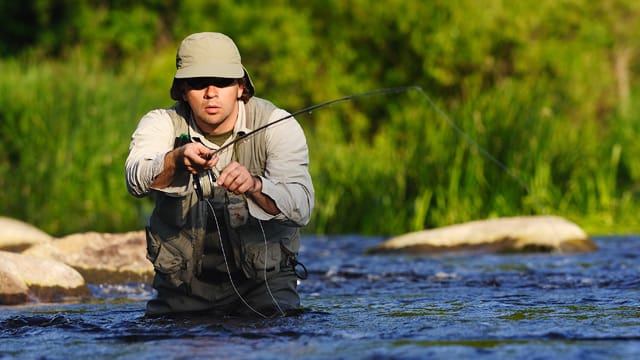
pixel 204 183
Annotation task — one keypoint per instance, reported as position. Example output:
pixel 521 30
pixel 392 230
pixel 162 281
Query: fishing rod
pixel 204 181
pixel 385 91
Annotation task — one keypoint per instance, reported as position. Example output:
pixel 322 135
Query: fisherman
pixel 224 234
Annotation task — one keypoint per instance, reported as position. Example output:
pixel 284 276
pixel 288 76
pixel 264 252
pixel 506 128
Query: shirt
pixel 286 179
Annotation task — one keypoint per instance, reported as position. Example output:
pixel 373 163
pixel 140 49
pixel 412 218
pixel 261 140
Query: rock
pixel 102 258
pixel 24 278
pixel 16 235
pixel 47 266
pixel 502 235
pixel 13 290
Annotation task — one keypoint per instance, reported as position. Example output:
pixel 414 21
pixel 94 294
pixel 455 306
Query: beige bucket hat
pixel 209 54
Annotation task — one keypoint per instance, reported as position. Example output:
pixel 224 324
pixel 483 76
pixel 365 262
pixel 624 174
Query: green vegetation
pixel 527 107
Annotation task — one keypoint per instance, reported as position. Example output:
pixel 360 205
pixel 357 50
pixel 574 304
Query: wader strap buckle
pixel 298 268
pixel 302 274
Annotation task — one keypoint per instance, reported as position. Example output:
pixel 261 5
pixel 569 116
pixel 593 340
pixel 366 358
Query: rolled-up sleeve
pixel 287 179
pixel 150 142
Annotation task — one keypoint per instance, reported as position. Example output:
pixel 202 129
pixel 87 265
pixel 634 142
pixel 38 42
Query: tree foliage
pixel 525 107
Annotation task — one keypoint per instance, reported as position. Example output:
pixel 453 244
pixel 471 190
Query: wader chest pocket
pixel 169 258
pixel 259 258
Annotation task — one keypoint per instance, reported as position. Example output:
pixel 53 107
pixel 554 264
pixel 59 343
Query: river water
pixel 356 306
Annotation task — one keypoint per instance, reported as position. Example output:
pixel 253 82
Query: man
pixel 224 234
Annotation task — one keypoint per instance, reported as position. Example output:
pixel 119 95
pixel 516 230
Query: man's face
pixel 214 103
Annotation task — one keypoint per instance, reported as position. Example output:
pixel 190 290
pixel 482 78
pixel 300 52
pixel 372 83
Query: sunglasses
pixel 200 83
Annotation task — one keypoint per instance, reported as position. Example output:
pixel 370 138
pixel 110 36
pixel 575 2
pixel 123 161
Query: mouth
pixel 212 109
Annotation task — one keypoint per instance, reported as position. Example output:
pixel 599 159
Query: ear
pixel 240 91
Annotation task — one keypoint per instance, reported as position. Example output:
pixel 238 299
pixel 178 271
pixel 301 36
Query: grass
pixel 380 166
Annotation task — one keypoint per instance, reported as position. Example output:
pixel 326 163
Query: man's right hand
pixel 193 157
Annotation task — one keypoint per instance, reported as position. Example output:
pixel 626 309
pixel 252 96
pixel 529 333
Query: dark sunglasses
pixel 200 83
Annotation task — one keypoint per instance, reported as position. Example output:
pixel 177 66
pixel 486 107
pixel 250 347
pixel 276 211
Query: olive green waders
pixel 260 296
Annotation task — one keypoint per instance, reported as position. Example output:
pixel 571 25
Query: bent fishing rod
pixel 311 108
pixel 204 181
pixel 388 91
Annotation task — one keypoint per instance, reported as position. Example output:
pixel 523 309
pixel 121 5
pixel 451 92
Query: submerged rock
pixel 102 258
pixel 26 278
pixel 501 235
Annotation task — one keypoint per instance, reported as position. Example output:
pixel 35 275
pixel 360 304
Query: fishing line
pixel 389 91
pixel 484 151
pixel 385 91
pixel 266 282
pixel 226 263
pixel 205 182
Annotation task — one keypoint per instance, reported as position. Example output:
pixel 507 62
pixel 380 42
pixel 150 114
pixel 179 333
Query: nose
pixel 210 91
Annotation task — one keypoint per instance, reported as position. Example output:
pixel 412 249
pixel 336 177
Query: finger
pixel 198 162
pixel 187 163
pixel 237 179
pixel 209 155
pixel 232 180
pixel 209 164
pixel 229 173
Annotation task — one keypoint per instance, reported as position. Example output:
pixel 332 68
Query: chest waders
pixel 181 223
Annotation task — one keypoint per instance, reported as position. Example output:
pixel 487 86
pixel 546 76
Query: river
pixel 356 306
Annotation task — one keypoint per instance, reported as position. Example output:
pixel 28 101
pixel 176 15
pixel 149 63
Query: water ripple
pixel 368 307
